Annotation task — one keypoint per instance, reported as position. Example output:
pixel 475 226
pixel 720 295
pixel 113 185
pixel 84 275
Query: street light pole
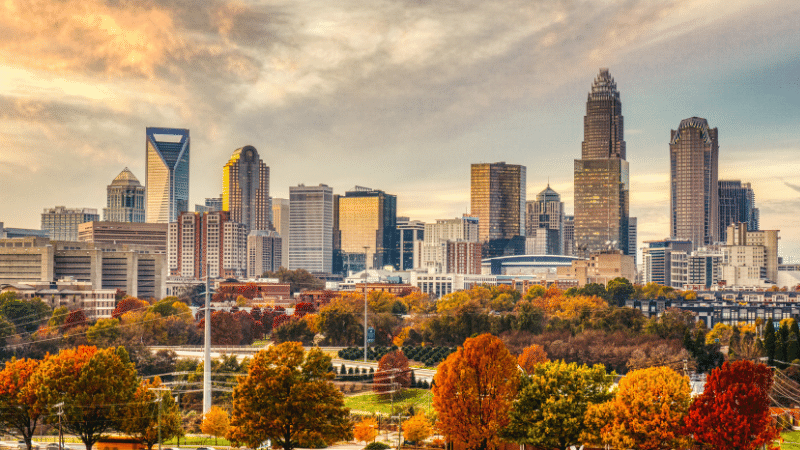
pixel 207 346
pixel 365 302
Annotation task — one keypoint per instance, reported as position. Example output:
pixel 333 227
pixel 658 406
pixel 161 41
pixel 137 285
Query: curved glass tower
pixel 245 189
pixel 167 174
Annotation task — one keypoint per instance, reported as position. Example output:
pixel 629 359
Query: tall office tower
pixel 633 237
pixel 211 204
pixel 569 235
pixel 280 220
pixel 125 199
pixel 263 252
pixel 498 200
pixel 434 245
pixel 411 234
pixel 546 218
pixel 736 205
pixel 311 228
pixel 367 218
pixel 167 175
pixel 601 175
pixel 61 223
pixel 694 189
pixel 201 244
pixel 245 189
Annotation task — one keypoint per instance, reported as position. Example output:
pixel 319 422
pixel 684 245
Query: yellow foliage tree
pixel 532 356
pixel 720 332
pixel 417 302
pixel 417 428
pixel 647 412
pixel 451 302
pixel 574 307
pixel 215 423
pixel 401 337
pixel 366 430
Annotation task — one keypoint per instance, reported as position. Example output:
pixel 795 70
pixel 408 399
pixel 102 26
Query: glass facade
pixel 694 199
pixel 497 199
pixel 736 205
pixel 167 174
pixel 367 218
pixel 311 228
pixel 601 177
pixel 125 199
pixel 245 189
pixel 546 216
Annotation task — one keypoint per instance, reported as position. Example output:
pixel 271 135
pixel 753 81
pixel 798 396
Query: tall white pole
pixel 365 302
pixel 207 359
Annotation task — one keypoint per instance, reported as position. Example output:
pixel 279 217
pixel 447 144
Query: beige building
pixel 750 258
pixel 599 268
pixel 280 220
pixel 95 303
pixel 104 266
pixel 263 253
pixel 144 235
pixel 202 244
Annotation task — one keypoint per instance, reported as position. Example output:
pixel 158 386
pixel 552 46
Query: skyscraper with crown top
pixel 601 175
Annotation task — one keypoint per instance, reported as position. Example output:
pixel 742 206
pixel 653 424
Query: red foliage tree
pixel 225 329
pixel 246 322
pixel 255 312
pixel 303 308
pixel 280 309
pixel 128 304
pixel 280 320
pixel 733 410
pixel 393 373
pixel 75 318
pixel 258 330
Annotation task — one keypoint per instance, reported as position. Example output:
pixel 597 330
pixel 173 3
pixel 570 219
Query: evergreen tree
pixel 792 348
pixel 780 350
pixel 794 328
pixel 770 342
pixel 413 380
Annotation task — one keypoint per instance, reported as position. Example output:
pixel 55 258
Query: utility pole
pixel 365 302
pixel 60 407
pixel 207 343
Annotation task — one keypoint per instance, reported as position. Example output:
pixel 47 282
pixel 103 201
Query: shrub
pixel 376 446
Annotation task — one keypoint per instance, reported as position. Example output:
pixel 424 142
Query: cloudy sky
pixel 397 95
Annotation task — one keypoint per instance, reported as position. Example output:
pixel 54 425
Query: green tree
pixel 594 289
pixel 94 385
pixel 298 280
pixel 340 324
pixel 293 330
pixel 619 290
pixel 770 342
pixel 552 403
pixel 152 407
pixel 104 333
pixel 26 315
pixel 288 393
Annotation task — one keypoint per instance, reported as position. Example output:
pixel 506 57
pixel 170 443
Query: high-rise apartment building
pixel 633 237
pixel 436 236
pixel 657 259
pixel 463 257
pixel 736 205
pixel 601 175
pixel 694 188
pixel 245 189
pixel 545 223
pixel 411 235
pixel 311 228
pixel 263 253
pixel 207 244
pixel 367 218
pixel 167 174
pixel 737 253
pixel 125 199
pixel 61 223
pixel 280 220
pixel 497 199
pixel 569 235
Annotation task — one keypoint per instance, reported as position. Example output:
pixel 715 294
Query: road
pixel 196 352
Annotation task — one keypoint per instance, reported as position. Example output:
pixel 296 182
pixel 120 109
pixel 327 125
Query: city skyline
pixel 410 89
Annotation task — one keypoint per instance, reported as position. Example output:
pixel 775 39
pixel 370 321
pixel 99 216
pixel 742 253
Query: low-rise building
pixel 439 284
pixel 95 303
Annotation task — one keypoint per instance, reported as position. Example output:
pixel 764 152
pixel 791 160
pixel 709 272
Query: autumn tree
pixel 20 409
pixel 646 413
pixel 94 386
pixel 552 402
pixel 152 407
pixel 366 430
pixel 733 410
pixel 473 391
pixel 104 333
pixel 128 304
pixel 339 322
pixel 619 290
pixel 417 428
pixel 287 393
pixel 532 356
pixel 298 280
pixel 215 423
pixel 393 373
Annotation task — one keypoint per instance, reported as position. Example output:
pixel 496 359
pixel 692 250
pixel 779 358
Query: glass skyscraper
pixel 736 205
pixel 694 193
pixel 245 189
pixel 311 228
pixel 367 218
pixel 546 216
pixel 601 175
pixel 497 199
pixel 167 174
pixel 125 199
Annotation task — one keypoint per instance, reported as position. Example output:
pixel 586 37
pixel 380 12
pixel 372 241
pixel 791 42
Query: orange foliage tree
pixel 19 398
pixel 366 430
pixel 647 412
pixel 531 356
pixel 733 410
pixel 473 391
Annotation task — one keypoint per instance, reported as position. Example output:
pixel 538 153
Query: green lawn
pixel 419 398
pixel 791 440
